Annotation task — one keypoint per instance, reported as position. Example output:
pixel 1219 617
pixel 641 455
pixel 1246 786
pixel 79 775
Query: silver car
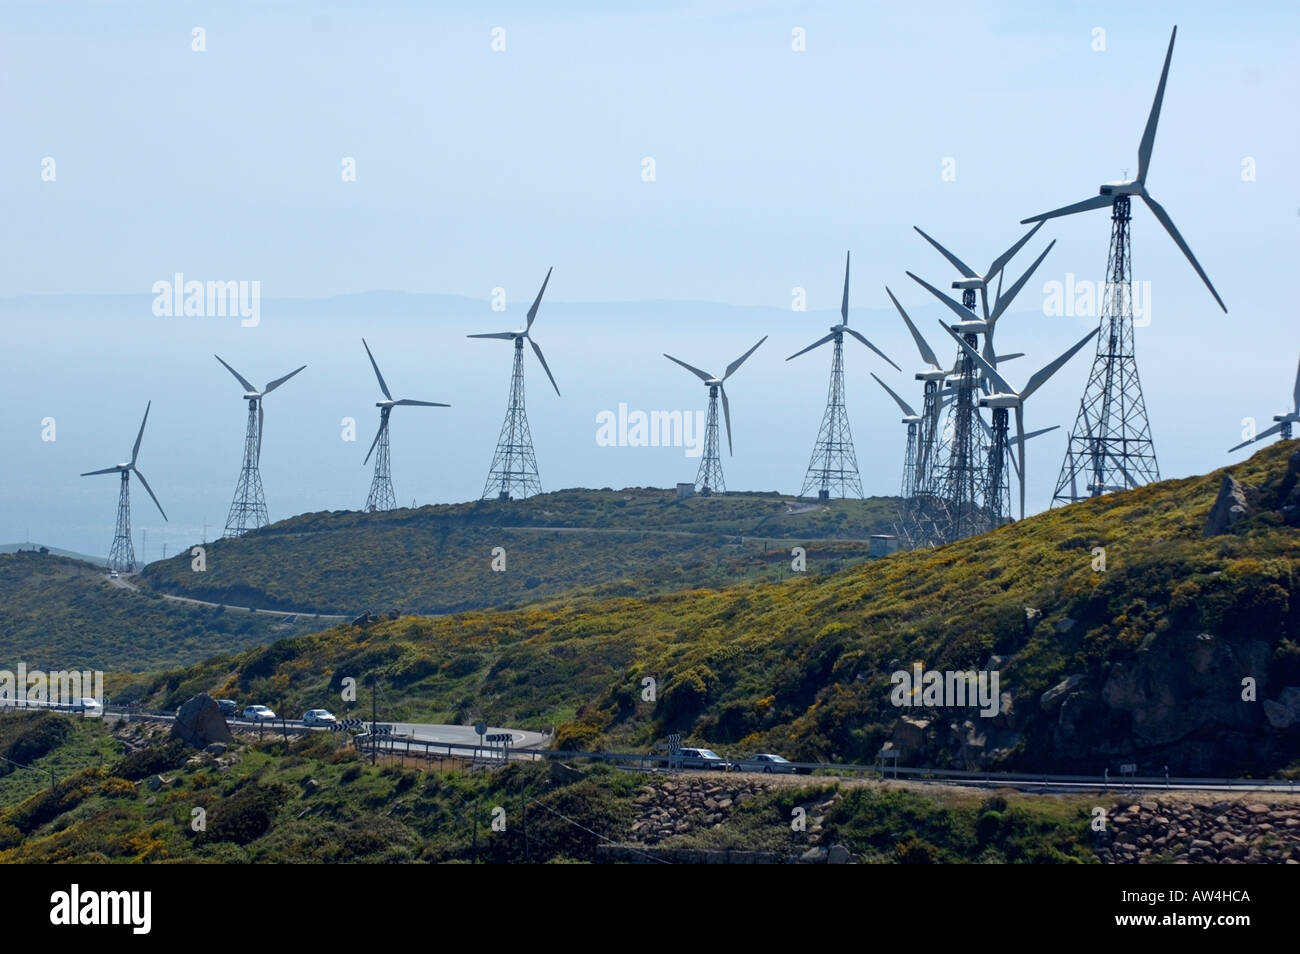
pixel 318 717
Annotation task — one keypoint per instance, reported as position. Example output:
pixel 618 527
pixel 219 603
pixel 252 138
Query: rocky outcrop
pixel 1231 506
pixel 1227 832
pixel 200 723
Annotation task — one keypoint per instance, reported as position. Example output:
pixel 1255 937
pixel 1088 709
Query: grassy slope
pixel 58 613
pixel 803 666
pixel 259 810
pixel 436 559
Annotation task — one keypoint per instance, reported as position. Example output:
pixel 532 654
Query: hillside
pixel 125 793
pixel 437 559
pixel 1145 659
pixel 59 613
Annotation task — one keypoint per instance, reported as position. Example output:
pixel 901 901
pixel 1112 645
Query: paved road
pixel 123 583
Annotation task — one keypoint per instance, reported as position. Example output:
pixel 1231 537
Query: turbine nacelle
pixel 1131 187
pixel 972 327
pixel 996 400
pixel 931 375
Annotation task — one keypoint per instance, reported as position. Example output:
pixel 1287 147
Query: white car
pixel 88 706
pixel 318 717
pixel 765 762
pixel 259 714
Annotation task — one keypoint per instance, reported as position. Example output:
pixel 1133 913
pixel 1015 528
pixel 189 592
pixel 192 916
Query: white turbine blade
pixel 1000 262
pixel 238 377
pixel 509 335
pixel 927 353
pixel 407 402
pixel 272 385
pixel 702 375
pixel 1168 223
pixel 135 451
pixel 1261 435
pixel 731 368
pixel 1020 446
pixel 538 351
pixel 1039 377
pixel 1122 469
pixel 844 305
pixel 261 419
pixel 726 415
pixel 989 371
pixel 819 342
pixel 532 312
pixel 383 423
pixel 107 470
pixel 998 359
pixel 988 431
pixel 957 263
pixel 1004 301
pixel 383 386
pixel 1295 395
pixel 902 405
pixel 1149 134
pixel 873 348
pixel 1041 430
pixel 961 311
pixel 151 493
pixel 1096 202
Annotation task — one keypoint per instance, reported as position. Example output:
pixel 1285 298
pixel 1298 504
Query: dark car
pixel 229 708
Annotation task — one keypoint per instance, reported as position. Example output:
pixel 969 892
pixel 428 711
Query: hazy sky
pixel 478 169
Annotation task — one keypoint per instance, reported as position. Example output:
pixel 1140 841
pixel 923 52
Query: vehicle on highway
pixel 318 717
pixel 88 705
pixel 768 762
pixel 229 707
pixel 694 758
pixel 259 714
pixel 113 575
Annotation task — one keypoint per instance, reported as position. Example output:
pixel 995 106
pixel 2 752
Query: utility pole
pixel 523 817
pixel 374 717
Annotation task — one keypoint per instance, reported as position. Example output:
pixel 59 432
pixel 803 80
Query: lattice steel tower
pixel 708 479
pixel 1110 445
pixel 513 474
pixel 514 466
pixel 121 556
pixel 248 508
pixel 833 467
pixel 381 496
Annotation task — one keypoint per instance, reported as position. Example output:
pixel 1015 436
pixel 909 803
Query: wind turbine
pixel 913 421
pixel 971 282
pixel 1007 397
pixel 1284 421
pixel 121 556
pixel 248 508
pixel 709 478
pixel 1113 411
pixel 514 465
pixel 381 495
pixel 833 462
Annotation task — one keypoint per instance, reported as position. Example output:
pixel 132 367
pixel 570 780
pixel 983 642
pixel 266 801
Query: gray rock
pixel 199 722
pixel 814 856
pixel 1231 506
pixel 216 748
pixel 838 855
pixel 1052 697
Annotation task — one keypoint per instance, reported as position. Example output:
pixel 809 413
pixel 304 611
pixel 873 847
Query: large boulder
pixel 1232 505
pixel 200 723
